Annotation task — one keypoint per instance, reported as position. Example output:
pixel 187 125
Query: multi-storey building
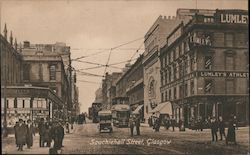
pixel 154 39
pixel 19 97
pixel 204 67
pixel 135 88
pixel 109 89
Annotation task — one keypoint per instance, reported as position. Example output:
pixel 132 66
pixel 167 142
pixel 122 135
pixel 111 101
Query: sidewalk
pixel 9 147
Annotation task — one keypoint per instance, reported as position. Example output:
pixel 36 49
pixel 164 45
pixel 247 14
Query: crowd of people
pixel 198 125
pixel 49 131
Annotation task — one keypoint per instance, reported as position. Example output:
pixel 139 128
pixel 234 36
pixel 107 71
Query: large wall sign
pixel 234 18
pixel 223 74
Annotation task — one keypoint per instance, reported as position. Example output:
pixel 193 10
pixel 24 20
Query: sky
pixel 91 27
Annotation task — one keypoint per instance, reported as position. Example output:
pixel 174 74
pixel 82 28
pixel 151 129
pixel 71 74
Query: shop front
pixel 31 103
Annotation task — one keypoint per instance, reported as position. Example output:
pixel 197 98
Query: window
pixel 52 72
pixel 166 95
pixel 174 72
pixel 162 97
pixel 15 103
pixel 186 90
pixel 208 86
pixel 7 103
pixel 163 62
pixel 192 87
pixel 181 91
pixel 170 94
pixel 208 62
pixel 230 86
pixel 26 72
pixel 229 62
pixel 169 75
pixel 185 66
pixel 180 70
pixel 180 50
pixel 174 54
pixel 175 93
pixel 23 103
pixel 229 39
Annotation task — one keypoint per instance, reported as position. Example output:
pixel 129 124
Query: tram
pixel 96 107
pixel 120 112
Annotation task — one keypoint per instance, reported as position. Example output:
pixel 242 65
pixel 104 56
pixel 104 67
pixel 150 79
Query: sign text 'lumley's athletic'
pixel 234 18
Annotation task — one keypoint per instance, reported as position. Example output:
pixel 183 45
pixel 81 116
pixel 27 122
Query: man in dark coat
pixel 30 133
pixel 214 129
pixel 47 134
pixel 41 128
pixel 137 125
pixel 131 125
pixel 221 125
pixel 157 124
pixel 21 133
pixel 61 134
pixel 173 123
pixel 231 137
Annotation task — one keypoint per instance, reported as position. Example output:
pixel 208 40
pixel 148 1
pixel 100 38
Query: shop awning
pixel 137 110
pixel 163 108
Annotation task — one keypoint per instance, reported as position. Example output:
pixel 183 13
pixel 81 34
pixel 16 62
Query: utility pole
pixel 5 103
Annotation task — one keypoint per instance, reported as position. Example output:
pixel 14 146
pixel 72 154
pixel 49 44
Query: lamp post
pixel 5 133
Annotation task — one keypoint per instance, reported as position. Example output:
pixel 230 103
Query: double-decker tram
pixel 120 111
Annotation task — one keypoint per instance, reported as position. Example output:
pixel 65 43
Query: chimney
pixel 26 44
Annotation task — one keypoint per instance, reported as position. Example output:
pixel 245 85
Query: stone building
pixel 135 87
pixel 154 40
pixel 20 99
pixel 205 68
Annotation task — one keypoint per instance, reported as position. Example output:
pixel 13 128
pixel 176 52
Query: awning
pixel 163 108
pixel 137 110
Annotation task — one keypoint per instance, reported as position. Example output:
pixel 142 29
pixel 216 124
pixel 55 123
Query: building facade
pixel 154 40
pixel 205 68
pixel 135 87
pixel 34 82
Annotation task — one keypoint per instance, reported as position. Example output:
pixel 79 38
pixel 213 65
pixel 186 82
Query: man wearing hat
pixel 30 133
pixel 41 127
pixel 21 133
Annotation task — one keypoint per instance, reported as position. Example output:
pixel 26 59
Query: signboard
pixel 234 18
pixel 223 74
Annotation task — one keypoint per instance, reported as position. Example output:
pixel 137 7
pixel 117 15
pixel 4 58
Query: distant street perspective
pixel 125 77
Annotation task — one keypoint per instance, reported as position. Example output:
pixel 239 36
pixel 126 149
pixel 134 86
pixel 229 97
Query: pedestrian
pixel 231 136
pixel 15 128
pixel 150 121
pixel 54 135
pixel 41 128
pixel 30 134
pixel 214 129
pixel 61 134
pixel 131 125
pixel 221 125
pixel 173 123
pixel 157 124
pixel 137 125
pixel 47 135
pixel 180 125
pixel 201 123
pixel 167 122
pixel 67 127
pixel 21 133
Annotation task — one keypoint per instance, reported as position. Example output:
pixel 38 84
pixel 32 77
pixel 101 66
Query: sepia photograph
pixel 124 77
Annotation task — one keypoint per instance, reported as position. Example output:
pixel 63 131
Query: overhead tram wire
pixel 136 52
pixel 104 50
pixel 99 65
pixel 88 81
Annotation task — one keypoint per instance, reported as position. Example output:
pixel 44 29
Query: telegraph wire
pixel 88 81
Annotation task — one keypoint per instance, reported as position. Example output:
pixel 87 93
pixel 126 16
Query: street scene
pixel 125 77
pixel 86 139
